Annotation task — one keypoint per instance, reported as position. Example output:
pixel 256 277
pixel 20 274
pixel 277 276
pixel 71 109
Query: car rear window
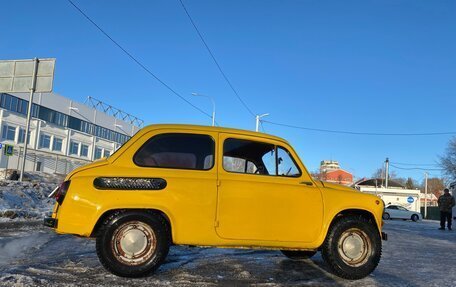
pixel 177 150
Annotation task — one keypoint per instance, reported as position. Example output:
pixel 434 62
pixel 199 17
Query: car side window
pixel 286 165
pixel 234 164
pixel 177 150
pixel 269 162
pixel 392 207
pixel 245 156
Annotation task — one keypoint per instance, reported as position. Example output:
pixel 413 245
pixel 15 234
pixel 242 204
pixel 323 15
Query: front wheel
pixel 298 255
pixel 133 243
pixel 415 217
pixel 352 248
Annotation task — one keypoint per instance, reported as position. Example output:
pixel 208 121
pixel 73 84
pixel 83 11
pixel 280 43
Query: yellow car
pixel 211 186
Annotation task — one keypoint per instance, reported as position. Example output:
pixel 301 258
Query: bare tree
pixel 380 173
pixel 339 178
pixel 318 175
pixel 435 186
pixel 448 160
pixel 411 183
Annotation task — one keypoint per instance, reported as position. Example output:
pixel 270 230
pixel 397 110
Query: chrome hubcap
pixel 354 247
pixel 133 243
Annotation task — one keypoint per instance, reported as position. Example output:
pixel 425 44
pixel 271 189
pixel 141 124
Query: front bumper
pixel 384 236
pixel 50 222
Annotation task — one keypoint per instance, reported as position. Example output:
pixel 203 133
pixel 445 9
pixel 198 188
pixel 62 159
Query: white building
pixel 394 194
pixel 329 165
pixel 63 134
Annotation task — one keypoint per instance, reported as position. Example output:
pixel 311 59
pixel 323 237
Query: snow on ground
pixel 28 199
pixel 416 254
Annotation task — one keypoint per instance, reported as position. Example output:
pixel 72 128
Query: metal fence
pixel 433 212
pixel 38 160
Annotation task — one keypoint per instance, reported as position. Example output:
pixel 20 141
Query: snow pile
pixel 26 200
pixel 35 176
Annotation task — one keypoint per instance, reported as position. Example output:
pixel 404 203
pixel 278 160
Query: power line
pixel 262 127
pixel 135 60
pixel 415 164
pixel 415 168
pixel 215 60
pixel 358 133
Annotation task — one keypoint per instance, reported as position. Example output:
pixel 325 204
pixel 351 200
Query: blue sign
pixel 1 145
pixel 410 199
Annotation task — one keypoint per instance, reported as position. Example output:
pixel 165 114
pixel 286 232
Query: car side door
pixel 393 211
pixel 404 212
pixel 185 160
pixel 273 199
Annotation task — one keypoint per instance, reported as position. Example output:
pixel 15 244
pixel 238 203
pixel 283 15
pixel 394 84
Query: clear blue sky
pixel 375 66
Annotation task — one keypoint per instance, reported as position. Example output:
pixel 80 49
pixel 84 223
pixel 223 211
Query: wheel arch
pixel 362 213
pixel 151 211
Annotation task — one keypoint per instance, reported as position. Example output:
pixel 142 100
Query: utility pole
pixel 386 172
pixel 258 118
pixel 29 115
pixel 213 105
pixel 425 193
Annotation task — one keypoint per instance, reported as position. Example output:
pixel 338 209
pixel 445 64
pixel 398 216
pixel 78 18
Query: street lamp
pixel 258 117
pixel 213 105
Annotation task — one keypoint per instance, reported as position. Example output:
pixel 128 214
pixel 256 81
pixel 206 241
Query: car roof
pixel 211 129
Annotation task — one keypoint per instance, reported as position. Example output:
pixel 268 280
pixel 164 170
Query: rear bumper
pixel 50 222
pixel 384 236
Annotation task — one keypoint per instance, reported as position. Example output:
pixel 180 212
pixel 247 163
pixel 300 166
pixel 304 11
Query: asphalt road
pixel 416 254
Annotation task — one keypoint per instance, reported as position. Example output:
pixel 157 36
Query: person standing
pixel 446 203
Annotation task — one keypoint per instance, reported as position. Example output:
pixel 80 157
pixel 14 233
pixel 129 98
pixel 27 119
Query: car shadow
pixel 245 267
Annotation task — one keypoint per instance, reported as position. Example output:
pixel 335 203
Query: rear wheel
pixel 298 255
pixel 133 243
pixel 415 217
pixel 352 248
pixel 386 216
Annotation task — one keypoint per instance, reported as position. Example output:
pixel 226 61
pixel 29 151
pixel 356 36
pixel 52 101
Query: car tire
pixel 133 243
pixel 340 249
pixel 386 216
pixel 298 255
pixel 415 217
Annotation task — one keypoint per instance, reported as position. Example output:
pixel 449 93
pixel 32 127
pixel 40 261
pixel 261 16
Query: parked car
pixel 400 212
pixel 210 186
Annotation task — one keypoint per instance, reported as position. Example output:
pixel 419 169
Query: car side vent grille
pixel 129 183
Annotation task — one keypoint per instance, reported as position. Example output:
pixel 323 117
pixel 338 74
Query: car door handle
pixel 309 183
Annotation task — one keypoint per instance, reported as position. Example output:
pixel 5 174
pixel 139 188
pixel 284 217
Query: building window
pixel 45 141
pixel 52 116
pixel 84 150
pixel 106 153
pixel 74 148
pixel 57 144
pixel 22 136
pixel 184 151
pixel 98 152
pixel 9 132
pixel 18 105
pixel 14 104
